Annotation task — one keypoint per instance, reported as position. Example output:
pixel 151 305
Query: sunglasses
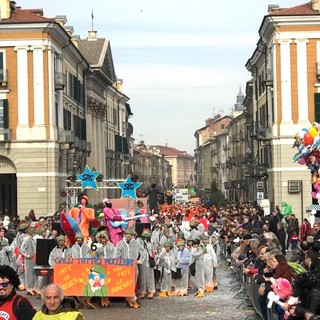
pixel 4 284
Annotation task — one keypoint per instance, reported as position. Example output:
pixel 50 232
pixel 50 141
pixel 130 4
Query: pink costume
pixel 115 233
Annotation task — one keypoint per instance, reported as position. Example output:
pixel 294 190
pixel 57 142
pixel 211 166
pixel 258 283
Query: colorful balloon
pixel 307 139
pixel 313 131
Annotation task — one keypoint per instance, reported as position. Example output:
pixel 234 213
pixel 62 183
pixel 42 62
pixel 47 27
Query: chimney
pixel 69 30
pixel 119 83
pixel 5 11
pixel 75 40
pixel 62 20
pixel 92 35
pixel 315 4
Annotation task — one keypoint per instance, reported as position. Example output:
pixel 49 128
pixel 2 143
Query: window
pixel 317 107
pixel 4 116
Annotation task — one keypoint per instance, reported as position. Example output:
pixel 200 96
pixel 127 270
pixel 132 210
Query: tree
pixel 217 198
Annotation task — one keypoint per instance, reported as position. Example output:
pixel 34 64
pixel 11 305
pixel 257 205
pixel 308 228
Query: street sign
pixel 260 195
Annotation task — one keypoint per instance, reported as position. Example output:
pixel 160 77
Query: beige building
pixel 284 99
pixel 182 166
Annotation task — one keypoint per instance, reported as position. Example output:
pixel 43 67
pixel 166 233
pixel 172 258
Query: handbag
pixel 192 268
pixel 20 262
pixel 152 262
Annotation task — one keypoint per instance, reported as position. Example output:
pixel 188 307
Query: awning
pixel 313 207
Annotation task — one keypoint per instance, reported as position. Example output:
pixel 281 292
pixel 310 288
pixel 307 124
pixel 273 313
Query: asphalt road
pixel 221 304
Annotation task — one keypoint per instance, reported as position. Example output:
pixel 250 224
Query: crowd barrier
pixel 248 289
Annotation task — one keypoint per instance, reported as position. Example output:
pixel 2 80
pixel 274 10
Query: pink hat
pixel 282 288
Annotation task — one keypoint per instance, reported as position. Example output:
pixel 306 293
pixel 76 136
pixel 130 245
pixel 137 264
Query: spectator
pixel 56 304
pixel 12 305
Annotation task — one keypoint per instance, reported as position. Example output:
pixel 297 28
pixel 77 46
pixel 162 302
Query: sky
pixel 181 61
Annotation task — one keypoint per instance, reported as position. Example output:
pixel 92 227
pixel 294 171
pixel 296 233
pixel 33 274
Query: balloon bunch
pixel 307 142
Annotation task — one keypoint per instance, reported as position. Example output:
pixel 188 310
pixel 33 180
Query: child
pixel 294 241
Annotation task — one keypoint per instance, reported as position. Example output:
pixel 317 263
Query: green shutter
pixel 317 107
pixel 5 114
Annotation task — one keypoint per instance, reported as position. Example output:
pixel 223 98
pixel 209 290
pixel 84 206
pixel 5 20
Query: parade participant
pixel 112 214
pixel 56 307
pixel 197 251
pixel 28 250
pixel 146 273
pixel 82 215
pixel 81 250
pixel 153 199
pixel 7 256
pixel 16 245
pixel 12 305
pixel 182 260
pixel 210 263
pixel 166 237
pixel 167 263
pixel 130 248
pixel 59 251
pixel 106 249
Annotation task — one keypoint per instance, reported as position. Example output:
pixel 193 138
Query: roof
pixel 19 15
pixel 172 152
pixel 303 9
pixel 98 53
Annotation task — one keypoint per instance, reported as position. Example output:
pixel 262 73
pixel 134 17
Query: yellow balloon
pixel 313 132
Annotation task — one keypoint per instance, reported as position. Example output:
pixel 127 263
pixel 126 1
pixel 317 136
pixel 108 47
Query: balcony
pixel 66 136
pixel 60 81
pixel 110 154
pixel 5 135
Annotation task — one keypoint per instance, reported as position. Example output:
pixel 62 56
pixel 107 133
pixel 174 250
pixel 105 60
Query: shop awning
pixel 313 207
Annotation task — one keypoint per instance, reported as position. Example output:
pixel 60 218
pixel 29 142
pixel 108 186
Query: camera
pixel 268 274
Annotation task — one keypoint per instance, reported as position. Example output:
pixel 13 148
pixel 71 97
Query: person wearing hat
pixel 167 263
pixel 105 249
pixel 28 250
pixel 196 253
pixel 130 248
pixel 166 237
pixel 83 215
pixel 182 260
pixel 16 245
pixel 7 256
pixel 112 215
pixel 13 306
pixel 146 273
pixel 60 251
pixel 210 262
pixel 81 250
pixel 194 232
pixel 153 199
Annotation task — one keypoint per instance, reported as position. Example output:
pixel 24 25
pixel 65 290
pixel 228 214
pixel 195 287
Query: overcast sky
pixel 181 61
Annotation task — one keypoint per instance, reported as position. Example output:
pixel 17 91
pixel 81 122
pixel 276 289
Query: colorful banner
pixel 95 277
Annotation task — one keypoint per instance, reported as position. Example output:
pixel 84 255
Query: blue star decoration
pixel 88 179
pixel 128 188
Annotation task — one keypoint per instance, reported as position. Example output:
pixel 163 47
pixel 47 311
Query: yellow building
pixel 42 110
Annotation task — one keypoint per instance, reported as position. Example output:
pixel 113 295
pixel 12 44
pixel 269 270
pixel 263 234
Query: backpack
pixel 296 268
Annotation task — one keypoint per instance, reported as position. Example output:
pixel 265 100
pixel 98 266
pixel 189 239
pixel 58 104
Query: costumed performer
pixel 111 215
pixel 83 215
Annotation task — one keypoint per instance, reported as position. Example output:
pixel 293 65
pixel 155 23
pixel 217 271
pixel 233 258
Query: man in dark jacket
pixel 153 197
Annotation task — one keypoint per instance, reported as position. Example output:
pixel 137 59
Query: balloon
pixel 304 129
pixel 313 132
pixel 301 134
pixel 307 139
pixel 302 161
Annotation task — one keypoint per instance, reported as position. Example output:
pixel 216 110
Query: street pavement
pixel 221 304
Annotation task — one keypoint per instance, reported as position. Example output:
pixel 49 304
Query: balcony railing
pixel 5 135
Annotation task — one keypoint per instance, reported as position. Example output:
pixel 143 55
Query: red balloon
pixel 307 139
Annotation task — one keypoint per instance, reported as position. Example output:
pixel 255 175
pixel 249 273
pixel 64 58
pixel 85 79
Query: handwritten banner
pixel 95 277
